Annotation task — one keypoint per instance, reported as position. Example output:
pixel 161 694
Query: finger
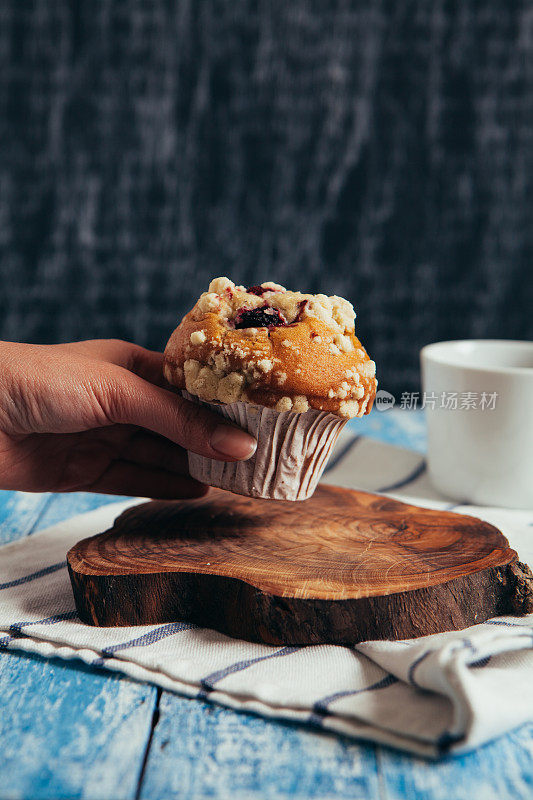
pixel 156 451
pixel 132 443
pixel 135 480
pixel 127 399
pixel 148 364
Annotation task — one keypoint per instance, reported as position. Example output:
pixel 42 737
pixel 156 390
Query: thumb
pixel 128 399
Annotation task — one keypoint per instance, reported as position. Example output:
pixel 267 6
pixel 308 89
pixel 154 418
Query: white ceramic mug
pixel 480 451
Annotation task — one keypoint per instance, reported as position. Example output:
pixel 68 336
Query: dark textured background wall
pixel 378 150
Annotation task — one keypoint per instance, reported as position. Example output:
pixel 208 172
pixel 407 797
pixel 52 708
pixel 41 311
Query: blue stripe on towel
pixel 15 630
pixel 343 452
pixel 466 644
pixel 145 640
pixel 39 574
pixel 527 630
pixel 416 473
pixel 4 641
pixel 17 626
pixel 238 666
pixel 482 662
pixel 414 665
pixel 320 708
pixel 507 624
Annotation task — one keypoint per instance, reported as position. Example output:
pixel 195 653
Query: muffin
pixel 285 366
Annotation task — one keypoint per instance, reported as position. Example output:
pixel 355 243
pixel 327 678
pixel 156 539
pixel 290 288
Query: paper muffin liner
pixel 292 451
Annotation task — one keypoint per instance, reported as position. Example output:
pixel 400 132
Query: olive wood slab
pixel 342 567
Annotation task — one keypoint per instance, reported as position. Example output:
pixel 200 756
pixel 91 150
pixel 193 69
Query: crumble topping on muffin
pixel 269 346
pixel 272 305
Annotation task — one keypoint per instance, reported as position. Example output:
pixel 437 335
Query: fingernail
pixel 233 442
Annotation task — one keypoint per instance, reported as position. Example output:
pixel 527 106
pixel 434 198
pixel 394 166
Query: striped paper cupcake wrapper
pixel 292 451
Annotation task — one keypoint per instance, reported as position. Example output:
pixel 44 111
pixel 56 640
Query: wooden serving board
pixel 341 567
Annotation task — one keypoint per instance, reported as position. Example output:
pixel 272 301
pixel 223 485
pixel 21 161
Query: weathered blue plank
pixel 201 750
pixel 501 770
pixel 395 426
pixel 67 732
pixel 19 513
pixel 65 506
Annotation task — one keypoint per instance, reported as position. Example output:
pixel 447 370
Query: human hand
pixel 94 416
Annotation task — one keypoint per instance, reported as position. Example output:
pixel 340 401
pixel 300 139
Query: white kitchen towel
pixel 444 693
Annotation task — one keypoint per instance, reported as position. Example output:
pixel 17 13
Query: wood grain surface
pixel 342 567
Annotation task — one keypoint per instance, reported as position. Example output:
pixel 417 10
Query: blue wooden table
pixel 68 732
